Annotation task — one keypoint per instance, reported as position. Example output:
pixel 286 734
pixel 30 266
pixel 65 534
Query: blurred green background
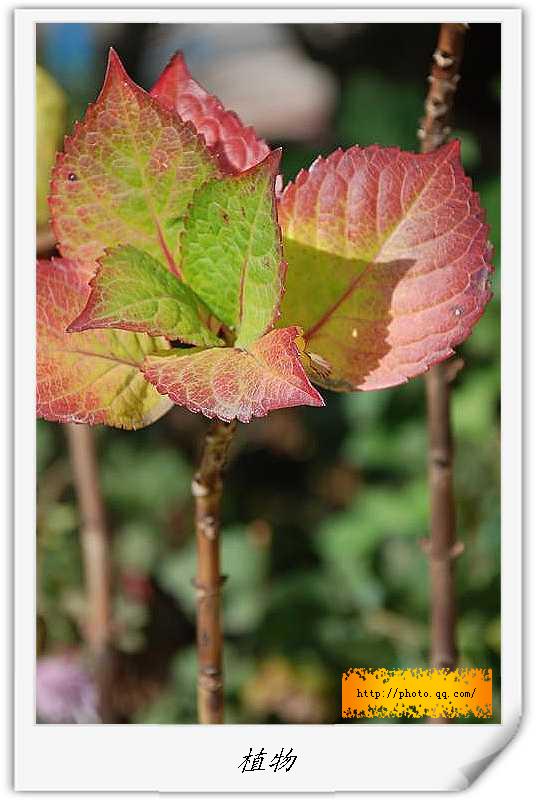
pixel 323 508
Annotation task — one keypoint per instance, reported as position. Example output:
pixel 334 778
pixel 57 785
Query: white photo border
pixel 345 757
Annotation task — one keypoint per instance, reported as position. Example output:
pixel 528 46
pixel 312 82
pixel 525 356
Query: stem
pixel 96 560
pixel 435 129
pixel 45 242
pixel 442 547
pixel 207 487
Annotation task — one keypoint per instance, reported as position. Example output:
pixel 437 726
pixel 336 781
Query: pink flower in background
pixel 65 691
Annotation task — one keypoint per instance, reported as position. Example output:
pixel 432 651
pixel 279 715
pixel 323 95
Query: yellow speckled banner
pixel 417 693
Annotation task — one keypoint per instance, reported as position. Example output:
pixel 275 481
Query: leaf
pixel 134 292
pixel 127 175
pixel 231 249
pixel 51 107
pixel 91 377
pixel 235 146
pixel 389 263
pixel 229 383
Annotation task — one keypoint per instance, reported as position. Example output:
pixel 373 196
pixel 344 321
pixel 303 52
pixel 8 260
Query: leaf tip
pixel 114 62
pixel 176 67
pixel 269 166
pixel 453 148
pixel 115 70
pixel 273 160
pixel 315 399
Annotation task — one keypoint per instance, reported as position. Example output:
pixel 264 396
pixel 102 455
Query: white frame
pixel 330 758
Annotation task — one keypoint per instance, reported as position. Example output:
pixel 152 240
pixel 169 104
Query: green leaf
pixel 231 250
pixel 134 292
pixel 51 109
pixel 127 175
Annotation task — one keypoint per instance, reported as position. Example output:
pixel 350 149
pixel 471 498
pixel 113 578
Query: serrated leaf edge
pixel 114 64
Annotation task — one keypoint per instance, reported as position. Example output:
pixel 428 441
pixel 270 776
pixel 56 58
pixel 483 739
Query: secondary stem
pixel 96 560
pixel 442 547
pixel 443 79
pixel 207 487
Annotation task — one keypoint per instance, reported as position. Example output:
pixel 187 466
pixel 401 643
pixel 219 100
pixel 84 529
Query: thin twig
pixel 96 560
pixel 444 76
pixel 442 547
pixel 207 487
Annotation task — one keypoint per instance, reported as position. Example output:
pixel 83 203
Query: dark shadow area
pixel 345 313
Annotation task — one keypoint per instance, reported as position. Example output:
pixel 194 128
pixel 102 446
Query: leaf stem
pixel 207 487
pixel 96 560
pixel 442 547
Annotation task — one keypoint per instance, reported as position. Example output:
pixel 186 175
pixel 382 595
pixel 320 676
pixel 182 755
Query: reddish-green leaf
pixel 134 292
pixel 236 146
pixel 127 175
pixel 388 263
pixel 228 383
pixel 95 376
pixel 231 250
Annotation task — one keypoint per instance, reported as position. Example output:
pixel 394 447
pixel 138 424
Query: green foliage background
pixel 323 511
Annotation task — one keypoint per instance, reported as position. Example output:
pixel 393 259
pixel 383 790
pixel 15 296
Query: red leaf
pixel 388 263
pixel 91 377
pixel 235 145
pixel 228 383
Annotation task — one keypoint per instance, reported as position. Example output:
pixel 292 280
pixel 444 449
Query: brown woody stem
pixel 442 548
pixel 45 242
pixel 207 487
pixel 443 79
pixel 96 560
